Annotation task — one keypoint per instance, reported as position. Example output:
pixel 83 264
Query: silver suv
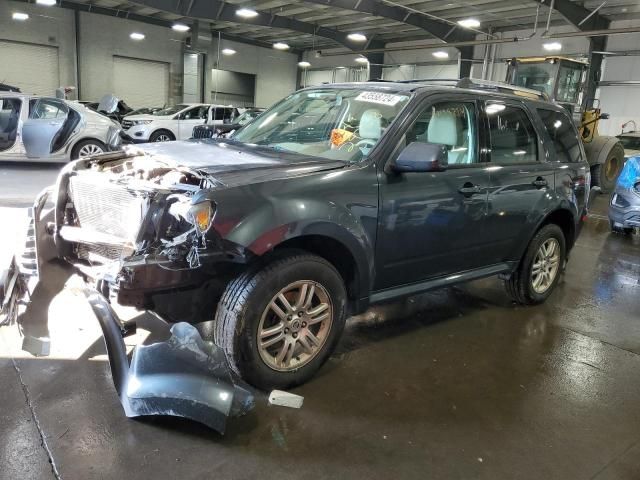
pixel 50 129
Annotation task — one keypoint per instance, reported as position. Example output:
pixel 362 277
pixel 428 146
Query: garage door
pixel 32 68
pixel 141 83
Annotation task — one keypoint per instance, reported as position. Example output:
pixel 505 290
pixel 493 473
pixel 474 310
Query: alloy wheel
pixel 89 150
pixel 163 138
pixel 545 265
pixel 295 325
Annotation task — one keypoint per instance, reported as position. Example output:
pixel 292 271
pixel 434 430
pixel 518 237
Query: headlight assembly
pixel 141 122
pixel 201 215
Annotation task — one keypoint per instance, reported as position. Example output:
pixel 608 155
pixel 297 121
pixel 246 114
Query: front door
pixel 46 129
pixel 430 224
pixel 522 179
pixel 191 118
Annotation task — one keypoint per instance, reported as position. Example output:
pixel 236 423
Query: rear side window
pixel 513 139
pixel 563 135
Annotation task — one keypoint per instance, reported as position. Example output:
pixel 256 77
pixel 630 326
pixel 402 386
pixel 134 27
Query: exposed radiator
pixel 105 207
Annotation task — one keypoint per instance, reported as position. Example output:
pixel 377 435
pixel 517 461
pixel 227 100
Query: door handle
pixel 469 189
pixel 540 182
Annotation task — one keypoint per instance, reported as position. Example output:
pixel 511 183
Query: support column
pixel 465 60
pixel 597 44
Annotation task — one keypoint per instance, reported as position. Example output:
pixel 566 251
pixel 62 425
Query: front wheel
pixel 162 136
pixel 279 323
pixel 540 268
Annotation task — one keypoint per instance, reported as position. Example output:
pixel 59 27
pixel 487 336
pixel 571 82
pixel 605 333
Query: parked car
pixel 336 198
pixel 624 209
pixel 175 123
pixel 226 129
pixel 50 129
pixel 8 88
pixel 631 143
pixel 144 111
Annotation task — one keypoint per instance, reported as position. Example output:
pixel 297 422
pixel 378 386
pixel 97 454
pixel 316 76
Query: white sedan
pixel 175 123
pixel 52 130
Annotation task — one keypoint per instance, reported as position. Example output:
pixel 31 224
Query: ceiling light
pixel 228 51
pixel 281 46
pixel 179 27
pixel 246 13
pixel 19 16
pixel 357 37
pixel 469 23
pixel 304 64
pixel 440 54
pixel 136 36
pixel 552 46
pixel 48 3
pixel 362 60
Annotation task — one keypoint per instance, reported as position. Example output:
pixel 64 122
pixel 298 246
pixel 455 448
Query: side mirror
pixel 422 157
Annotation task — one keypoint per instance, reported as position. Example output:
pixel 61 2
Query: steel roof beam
pixel 217 10
pixel 439 30
pixel 576 14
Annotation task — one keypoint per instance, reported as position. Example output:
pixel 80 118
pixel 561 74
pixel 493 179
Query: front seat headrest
pixel 370 124
pixel 443 129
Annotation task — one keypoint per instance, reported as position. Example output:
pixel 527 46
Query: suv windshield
pixel 170 110
pixel 343 124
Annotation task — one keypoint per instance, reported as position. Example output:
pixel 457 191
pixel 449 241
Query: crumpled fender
pixel 269 226
pixel 183 376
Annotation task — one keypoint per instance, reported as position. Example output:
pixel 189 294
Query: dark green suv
pixel 335 198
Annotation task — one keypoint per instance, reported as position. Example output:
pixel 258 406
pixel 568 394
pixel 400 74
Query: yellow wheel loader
pixel 562 80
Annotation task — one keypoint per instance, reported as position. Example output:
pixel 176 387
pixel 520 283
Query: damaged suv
pixel 335 198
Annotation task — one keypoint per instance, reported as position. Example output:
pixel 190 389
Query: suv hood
pixel 233 164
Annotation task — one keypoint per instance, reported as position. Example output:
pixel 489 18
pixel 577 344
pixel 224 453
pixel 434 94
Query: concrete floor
pixel 458 383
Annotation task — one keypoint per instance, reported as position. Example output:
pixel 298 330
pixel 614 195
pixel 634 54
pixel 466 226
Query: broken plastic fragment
pixel 183 376
pixel 285 399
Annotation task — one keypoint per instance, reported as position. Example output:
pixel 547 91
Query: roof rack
pixel 474 83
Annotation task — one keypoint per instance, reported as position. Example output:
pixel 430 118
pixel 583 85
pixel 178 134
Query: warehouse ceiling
pixel 321 24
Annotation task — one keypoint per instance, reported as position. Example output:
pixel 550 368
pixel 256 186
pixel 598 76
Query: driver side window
pixel 451 124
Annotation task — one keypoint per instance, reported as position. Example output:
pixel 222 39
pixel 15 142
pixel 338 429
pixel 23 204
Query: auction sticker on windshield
pixel 380 97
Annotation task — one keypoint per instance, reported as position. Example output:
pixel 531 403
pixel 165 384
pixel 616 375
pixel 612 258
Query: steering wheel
pixel 366 142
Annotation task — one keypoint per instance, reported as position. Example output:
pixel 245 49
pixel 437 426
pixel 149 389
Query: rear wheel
pixel 162 136
pixel 87 148
pixel 280 322
pixel 540 268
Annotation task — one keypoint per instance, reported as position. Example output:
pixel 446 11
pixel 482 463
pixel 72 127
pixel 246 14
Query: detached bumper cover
pixel 184 376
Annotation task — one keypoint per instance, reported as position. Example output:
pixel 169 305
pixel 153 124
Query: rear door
pixel 568 157
pixel 431 223
pixel 189 119
pixel 521 178
pixel 47 118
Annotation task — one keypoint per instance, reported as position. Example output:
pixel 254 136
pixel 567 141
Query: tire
pixel 520 286
pixel 245 309
pixel 87 148
pixel 604 175
pixel 162 136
